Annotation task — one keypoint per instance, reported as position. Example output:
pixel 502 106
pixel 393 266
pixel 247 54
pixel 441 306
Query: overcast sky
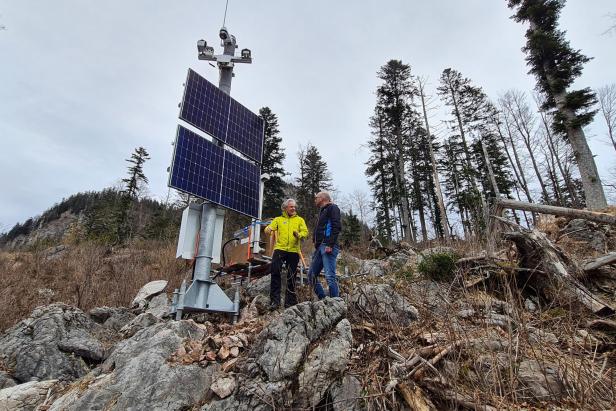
pixel 82 83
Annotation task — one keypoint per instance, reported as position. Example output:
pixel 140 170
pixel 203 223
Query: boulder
pixel 323 365
pixel 382 302
pixel 137 324
pixel 403 259
pixel 540 381
pixel 138 375
pixel 158 306
pixel 282 368
pixel 260 286
pixel 49 344
pixel 147 292
pixel 27 396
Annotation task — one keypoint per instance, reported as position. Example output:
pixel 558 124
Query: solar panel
pixel 197 166
pixel 206 107
pixel 203 169
pixel 240 185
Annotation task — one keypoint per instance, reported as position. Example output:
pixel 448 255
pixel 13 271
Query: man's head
pixel 289 206
pixel 322 198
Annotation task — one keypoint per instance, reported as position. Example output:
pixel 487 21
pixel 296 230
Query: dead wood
pixel 551 266
pixel 445 393
pixel 598 262
pixel 560 211
pixel 415 397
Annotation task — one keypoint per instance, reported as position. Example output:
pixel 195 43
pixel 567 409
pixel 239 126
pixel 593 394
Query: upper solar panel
pixel 203 169
pixel 206 107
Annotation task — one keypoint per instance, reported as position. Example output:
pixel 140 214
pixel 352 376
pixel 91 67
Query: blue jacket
pixel 328 226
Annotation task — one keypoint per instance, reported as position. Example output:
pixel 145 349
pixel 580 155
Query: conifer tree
pixel 273 155
pixel 351 229
pixel 556 65
pixel 313 177
pixel 136 178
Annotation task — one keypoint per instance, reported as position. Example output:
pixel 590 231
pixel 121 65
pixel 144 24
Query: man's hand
pixel 296 234
pixel 328 250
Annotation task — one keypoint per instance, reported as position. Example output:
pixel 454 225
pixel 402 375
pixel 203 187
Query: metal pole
pixel 226 70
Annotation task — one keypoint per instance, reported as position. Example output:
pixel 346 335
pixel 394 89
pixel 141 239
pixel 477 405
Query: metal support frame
pixel 204 294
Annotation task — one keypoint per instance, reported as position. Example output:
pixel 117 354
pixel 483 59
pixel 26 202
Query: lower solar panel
pixel 203 169
pixel 240 185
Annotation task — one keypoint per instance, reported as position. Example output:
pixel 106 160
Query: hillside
pixel 440 327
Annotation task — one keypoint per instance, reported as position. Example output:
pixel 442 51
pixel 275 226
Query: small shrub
pixel 438 266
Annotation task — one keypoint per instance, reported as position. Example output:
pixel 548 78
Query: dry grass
pixel 87 275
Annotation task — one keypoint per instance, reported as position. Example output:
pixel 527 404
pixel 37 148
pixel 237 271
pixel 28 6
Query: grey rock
pixel 327 361
pixel 537 336
pixel 140 377
pixel 381 301
pixel 530 305
pixel 158 306
pixel 281 346
pixel 147 292
pixel 540 381
pixel 224 386
pixel 282 351
pixel 137 324
pixel 83 346
pixel 30 348
pixel 27 396
pixel 260 286
pixel 401 259
pixel 346 393
pixel 6 380
pixel 587 231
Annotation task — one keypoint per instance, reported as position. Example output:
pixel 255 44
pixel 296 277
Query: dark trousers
pixel 291 260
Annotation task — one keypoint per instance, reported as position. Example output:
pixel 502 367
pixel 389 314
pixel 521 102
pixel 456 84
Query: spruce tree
pixel 351 230
pixel 136 178
pixel 273 155
pixel 313 178
pixel 556 65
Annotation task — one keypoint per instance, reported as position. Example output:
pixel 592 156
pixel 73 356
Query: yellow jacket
pixel 284 227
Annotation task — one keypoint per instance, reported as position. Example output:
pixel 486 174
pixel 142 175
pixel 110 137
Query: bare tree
pixel 421 83
pixel 607 103
pixel 515 106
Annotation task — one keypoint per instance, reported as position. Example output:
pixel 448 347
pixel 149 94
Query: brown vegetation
pixel 86 275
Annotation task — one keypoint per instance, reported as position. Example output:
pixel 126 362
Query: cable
pixel 225 18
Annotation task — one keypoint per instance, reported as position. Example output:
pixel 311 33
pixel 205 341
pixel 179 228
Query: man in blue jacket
pixel 325 239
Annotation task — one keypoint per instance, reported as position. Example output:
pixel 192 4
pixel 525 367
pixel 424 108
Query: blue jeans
pixel 322 260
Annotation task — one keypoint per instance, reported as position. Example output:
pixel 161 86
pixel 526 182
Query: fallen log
pixel 548 265
pixel 560 211
pixel 600 262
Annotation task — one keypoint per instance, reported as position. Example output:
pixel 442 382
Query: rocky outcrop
pixel 138 375
pixel 294 360
pixel 55 342
pixel 382 302
pixel 27 396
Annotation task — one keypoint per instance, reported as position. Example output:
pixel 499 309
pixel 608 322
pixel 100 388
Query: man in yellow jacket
pixel 290 229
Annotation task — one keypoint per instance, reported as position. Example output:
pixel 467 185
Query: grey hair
pixel 286 202
pixel 325 195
